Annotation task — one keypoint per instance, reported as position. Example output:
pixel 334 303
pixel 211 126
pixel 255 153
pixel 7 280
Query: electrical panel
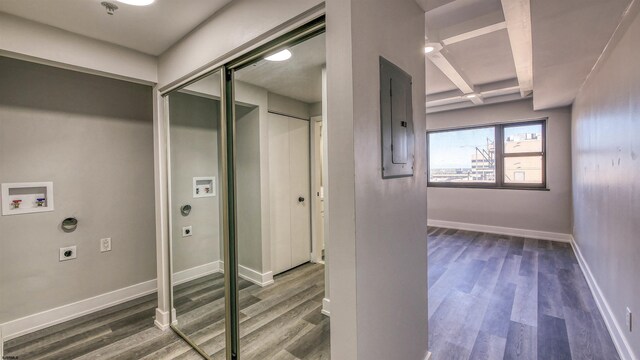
pixel 396 117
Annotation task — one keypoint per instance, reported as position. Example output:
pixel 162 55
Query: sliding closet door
pixel 197 221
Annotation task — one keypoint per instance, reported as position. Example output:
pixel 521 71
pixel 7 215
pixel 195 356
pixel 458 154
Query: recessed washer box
pixel 27 198
pixel 204 186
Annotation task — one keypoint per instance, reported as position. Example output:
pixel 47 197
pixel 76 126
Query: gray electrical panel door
pixel 396 117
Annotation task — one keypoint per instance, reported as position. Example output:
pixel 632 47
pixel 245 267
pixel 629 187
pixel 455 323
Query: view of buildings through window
pixel 470 155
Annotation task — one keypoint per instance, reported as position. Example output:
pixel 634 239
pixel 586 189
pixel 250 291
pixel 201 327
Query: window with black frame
pixel 510 156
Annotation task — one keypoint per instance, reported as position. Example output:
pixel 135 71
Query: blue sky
pixel 453 149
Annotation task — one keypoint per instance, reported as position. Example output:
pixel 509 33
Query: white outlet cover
pixel 105 244
pixel 187 231
pixel 64 257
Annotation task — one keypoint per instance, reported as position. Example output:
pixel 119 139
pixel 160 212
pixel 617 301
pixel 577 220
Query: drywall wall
pixel 93 137
pixel 194 122
pixel 234 29
pixel 548 211
pixel 287 106
pixel 42 43
pixel 248 178
pixel 377 230
pixel 606 180
pixel 315 109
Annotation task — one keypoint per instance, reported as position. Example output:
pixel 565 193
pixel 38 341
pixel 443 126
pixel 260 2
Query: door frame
pixel 315 164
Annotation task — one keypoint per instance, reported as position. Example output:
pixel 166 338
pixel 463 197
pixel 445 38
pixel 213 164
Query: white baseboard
pixel 326 306
pixel 162 320
pixel 18 327
pixel 615 330
pixel 196 272
pixel 15 328
pixel 255 277
pixel 533 234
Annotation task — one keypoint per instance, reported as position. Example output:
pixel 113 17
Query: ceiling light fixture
pixel 111 7
pixel 428 49
pixel 280 56
pixel 471 96
pixel 137 2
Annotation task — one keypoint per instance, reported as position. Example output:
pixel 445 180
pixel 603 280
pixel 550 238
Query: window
pixel 497 156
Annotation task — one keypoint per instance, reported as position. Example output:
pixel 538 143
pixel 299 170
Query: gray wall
pixel 377 228
pixel 194 122
pixel 521 209
pixel 248 187
pixel 606 181
pixel 287 106
pixel 93 138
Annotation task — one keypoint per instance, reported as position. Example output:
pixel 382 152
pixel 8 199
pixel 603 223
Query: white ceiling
pixel 476 54
pixel 149 29
pixel 568 38
pixel 542 48
pixel 299 78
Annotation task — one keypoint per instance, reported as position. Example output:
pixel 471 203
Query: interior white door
pixel 300 186
pixel 289 183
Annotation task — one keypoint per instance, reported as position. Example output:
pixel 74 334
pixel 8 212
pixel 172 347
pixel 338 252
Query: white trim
pixel 615 330
pixel 196 272
pixel 162 319
pixel 18 327
pixel 255 277
pixel 326 306
pixel 534 234
pixel 428 357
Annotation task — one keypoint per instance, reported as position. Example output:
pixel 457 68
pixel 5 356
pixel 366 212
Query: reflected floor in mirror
pixel 280 321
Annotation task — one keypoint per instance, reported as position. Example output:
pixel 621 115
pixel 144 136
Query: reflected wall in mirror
pixel 196 236
pixel 280 206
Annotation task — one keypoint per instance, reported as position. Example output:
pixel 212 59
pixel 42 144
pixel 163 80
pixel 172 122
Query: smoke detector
pixel 111 7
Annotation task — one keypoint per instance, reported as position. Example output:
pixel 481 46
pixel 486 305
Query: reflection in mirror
pixel 279 172
pixel 196 229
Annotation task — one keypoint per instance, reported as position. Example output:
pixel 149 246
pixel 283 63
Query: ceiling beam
pixel 462 105
pixel 440 60
pixel 486 92
pixel 469 29
pixel 428 5
pixel 517 15
pixel 475 33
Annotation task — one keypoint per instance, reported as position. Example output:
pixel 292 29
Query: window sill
pixel 449 186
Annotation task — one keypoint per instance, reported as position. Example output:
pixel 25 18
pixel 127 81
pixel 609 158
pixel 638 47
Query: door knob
pixel 300 199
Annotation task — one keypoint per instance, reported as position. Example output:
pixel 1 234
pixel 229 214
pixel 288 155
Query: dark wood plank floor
pixel 282 321
pixel 490 297
pixel 504 297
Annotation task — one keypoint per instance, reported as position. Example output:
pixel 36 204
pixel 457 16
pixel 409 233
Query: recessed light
pixel 137 2
pixel 280 56
pixel 428 49
pixel 471 96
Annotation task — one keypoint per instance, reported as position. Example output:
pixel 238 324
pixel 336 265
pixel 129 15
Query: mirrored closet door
pixel 197 206
pixel 278 191
pixel 246 197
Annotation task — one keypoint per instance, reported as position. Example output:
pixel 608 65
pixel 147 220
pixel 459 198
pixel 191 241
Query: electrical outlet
pixel 187 231
pixel 105 245
pixel 68 253
pixel 629 318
